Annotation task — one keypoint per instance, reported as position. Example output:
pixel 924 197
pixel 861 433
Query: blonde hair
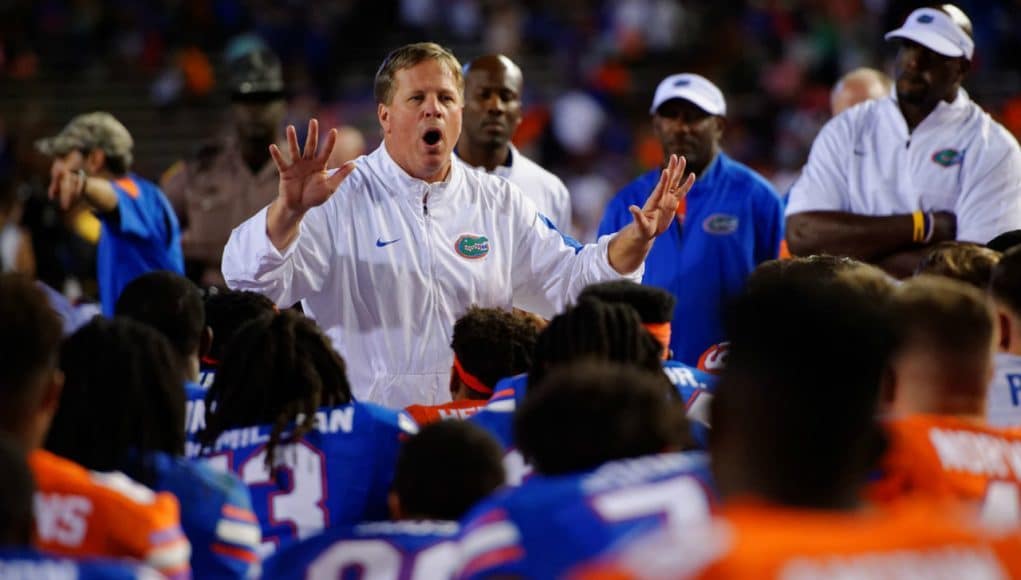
pixel 408 56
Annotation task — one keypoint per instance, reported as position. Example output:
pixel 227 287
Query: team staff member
pixel 731 220
pixel 91 162
pixel 492 112
pixel 230 178
pixel 889 178
pixel 857 86
pixel 413 237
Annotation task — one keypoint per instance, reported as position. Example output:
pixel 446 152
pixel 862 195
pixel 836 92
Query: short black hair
pixel 653 305
pixel 446 469
pixel 801 430
pixel 17 488
pixel 30 335
pixel 593 329
pixel 123 394
pixel 1005 241
pixel 491 343
pixel 276 368
pixel 169 303
pixel 228 310
pixel 587 413
pixel 969 263
pixel 1005 285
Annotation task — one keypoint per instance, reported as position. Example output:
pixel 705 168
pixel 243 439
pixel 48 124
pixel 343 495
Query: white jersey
pixel 1003 407
pixel 389 262
pixel 546 190
pixel 865 161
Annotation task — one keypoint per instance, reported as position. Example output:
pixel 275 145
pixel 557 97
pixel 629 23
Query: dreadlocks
pixel 278 369
pixel 596 330
pixel 123 393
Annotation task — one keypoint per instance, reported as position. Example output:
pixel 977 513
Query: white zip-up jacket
pixel 389 262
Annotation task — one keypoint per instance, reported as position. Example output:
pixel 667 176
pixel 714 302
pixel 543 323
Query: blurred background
pixel 590 70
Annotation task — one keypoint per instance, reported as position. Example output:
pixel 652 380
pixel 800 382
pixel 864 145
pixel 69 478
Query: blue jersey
pixel 339 473
pixel 405 550
pixel 733 222
pixel 26 563
pixel 216 513
pixel 549 524
pixel 694 387
pixel 194 413
pixel 139 236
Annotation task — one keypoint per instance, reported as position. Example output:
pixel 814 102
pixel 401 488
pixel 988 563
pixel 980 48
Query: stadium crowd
pixel 398 364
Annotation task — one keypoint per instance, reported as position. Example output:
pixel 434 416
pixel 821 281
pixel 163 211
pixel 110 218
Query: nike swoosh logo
pixel 380 243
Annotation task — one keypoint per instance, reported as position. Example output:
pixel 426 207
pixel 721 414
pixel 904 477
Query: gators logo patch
pixel 472 247
pixel 947 157
pixel 720 224
pixel 925 19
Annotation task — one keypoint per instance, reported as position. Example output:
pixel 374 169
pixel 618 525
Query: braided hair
pixel 278 369
pixel 593 329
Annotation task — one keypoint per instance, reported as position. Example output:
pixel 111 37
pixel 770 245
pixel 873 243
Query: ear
pixel 719 125
pixel 383 113
pixel 51 395
pixel 964 69
pixel 394 503
pixel 205 342
pixel 1004 320
pixel 95 161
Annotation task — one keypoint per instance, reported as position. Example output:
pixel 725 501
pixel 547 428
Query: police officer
pixel 232 177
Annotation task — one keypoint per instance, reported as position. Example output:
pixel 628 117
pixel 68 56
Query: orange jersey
pixel 759 541
pixel 84 513
pixel 947 458
pixel 425 414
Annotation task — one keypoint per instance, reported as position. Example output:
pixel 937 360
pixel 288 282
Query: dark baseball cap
pixel 256 74
pixel 97 130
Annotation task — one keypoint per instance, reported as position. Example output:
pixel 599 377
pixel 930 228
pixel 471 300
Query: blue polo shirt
pixel 139 236
pixel 734 221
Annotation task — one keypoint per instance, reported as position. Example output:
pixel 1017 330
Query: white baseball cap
pixel 690 87
pixel 937 31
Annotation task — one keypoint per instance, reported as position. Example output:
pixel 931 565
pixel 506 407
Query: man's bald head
pixel 492 109
pixel 858 86
pixel 490 64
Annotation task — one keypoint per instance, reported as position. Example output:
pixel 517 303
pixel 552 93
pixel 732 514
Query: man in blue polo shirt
pixel 91 159
pixel 730 221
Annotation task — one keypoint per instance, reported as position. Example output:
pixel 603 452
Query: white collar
pixel 409 183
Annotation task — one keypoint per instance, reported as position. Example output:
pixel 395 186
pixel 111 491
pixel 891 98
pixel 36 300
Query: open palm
pixel 654 218
pixel 304 181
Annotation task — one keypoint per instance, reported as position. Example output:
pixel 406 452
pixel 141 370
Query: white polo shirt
pixel 958 159
pixel 545 190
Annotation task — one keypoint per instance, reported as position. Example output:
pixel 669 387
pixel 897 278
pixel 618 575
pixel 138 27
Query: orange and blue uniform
pixel 756 540
pixel 942 457
pixel 85 513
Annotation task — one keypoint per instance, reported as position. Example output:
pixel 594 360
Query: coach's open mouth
pixel 432 136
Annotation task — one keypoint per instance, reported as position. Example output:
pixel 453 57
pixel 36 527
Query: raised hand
pixel 654 218
pixel 304 182
pixel 66 186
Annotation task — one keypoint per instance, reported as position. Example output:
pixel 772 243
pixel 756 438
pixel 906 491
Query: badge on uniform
pixel 720 224
pixel 472 246
pixel 947 157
